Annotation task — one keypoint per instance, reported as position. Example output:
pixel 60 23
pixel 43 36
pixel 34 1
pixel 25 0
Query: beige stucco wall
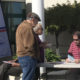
pixel 49 3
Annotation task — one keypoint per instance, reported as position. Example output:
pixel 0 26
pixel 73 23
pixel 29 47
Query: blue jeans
pixel 28 65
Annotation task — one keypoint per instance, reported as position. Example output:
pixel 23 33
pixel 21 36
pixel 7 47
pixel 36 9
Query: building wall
pixel 64 39
pixel 49 3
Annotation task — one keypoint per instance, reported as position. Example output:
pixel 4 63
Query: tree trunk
pixel 57 44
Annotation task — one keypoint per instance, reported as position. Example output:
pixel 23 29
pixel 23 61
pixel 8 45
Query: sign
pixel 4 42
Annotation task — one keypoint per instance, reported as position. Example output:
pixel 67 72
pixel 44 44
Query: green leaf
pixel 51 55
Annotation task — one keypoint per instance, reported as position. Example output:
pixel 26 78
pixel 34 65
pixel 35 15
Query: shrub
pixel 51 56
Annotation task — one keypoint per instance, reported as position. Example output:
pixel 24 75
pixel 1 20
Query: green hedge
pixel 51 55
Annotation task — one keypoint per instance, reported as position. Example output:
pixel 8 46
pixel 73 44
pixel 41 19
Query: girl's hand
pixel 68 60
pixel 77 61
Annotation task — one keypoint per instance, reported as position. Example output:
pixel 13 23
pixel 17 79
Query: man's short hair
pixel 33 15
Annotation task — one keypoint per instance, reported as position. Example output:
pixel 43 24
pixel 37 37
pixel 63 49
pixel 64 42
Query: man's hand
pixel 15 64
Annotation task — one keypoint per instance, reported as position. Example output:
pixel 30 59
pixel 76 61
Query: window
pixel 14 13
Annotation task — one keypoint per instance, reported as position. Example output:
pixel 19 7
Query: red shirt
pixel 74 50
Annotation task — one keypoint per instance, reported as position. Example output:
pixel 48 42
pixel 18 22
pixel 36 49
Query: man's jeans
pixel 28 65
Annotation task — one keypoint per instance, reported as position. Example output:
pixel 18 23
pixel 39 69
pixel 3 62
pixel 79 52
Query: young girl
pixel 74 50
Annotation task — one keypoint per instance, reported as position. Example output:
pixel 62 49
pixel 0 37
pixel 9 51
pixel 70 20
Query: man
pixel 27 46
pixel 74 56
pixel 11 67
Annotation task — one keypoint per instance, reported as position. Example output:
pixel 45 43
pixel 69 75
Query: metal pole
pixel 38 7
